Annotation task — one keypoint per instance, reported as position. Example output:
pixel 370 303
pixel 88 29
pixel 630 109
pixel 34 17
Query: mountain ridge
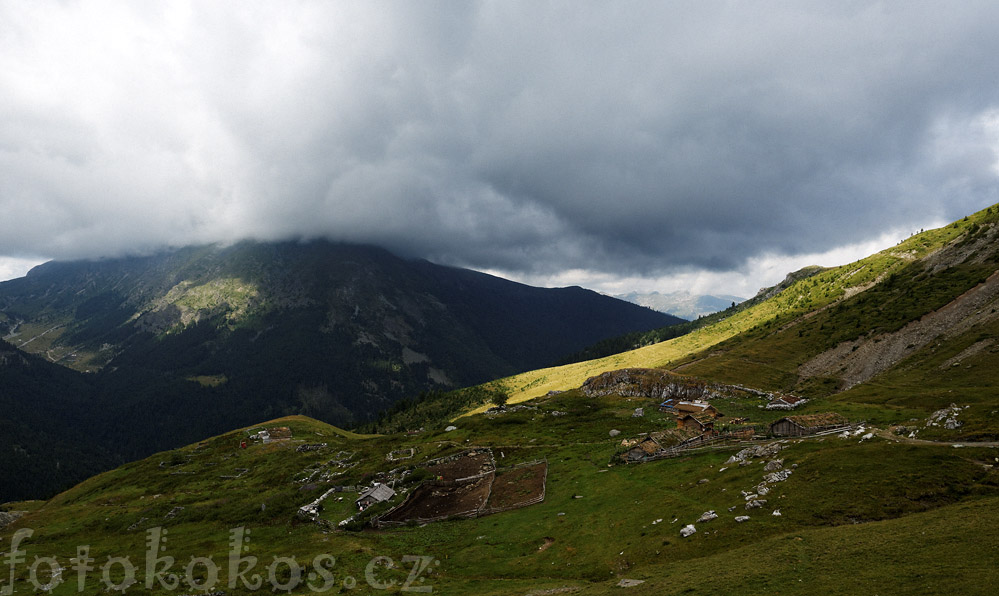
pixel 803 295
pixel 908 482
pixel 187 343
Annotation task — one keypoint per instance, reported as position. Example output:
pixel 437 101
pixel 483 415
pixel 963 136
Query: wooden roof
pixel 378 492
pixel 788 399
pixel 704 419
pixel 279 432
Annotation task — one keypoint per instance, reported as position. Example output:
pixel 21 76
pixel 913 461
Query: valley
pixel 591 478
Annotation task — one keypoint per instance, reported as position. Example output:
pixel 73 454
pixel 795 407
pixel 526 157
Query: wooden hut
pixel 807 424
pixel 702 423
pixel 375 494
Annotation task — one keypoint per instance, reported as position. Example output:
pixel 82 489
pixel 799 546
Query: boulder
pixel 707 516
pixel 630 583
pixel 688 530
pixel 774 465
pixel 779 476
pixel 741 518
pixel 614 432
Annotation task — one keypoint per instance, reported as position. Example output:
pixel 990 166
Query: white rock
pixel 741 518
pixel 776 513
pixel 630 583
pixel 450 428
pixel 707 516
pixel 687 530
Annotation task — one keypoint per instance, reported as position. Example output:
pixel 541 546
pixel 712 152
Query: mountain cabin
pixel 808 424
pixel 376 494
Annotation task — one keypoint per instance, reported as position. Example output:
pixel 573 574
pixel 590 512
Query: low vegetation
pixel 902 344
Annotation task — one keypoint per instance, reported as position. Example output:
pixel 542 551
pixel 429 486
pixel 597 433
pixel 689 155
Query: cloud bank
pixel 624 140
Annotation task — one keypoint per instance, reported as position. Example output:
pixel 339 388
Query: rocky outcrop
pixel 9 517
pixel 645 382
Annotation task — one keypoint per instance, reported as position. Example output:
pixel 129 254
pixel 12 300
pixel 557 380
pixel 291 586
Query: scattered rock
pixel 774 465
pixel 947 417
pixel 741 518
pixel 450 428
pixel 130 528
pixel 756 451
pixel 779 476
pixel 707 516
pixel 703 481
pixel 638 413
pixel 630 583
pixel 614 432
pixel 688 530
pixel 756 504
pixel 776 513
pixel 310 447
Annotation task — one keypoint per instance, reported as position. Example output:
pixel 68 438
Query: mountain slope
pixel 188 343
pixel 357 318
pixel 916 510
pixel 881 293
pixel 45 423
pixel 884 341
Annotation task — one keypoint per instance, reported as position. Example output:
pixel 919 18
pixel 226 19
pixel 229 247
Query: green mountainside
pixel 902 344
pixel 193 342
pixel 887 297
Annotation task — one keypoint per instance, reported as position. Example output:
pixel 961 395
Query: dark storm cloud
pixel 629 137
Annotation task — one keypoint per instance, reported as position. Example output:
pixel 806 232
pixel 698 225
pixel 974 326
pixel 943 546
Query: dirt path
pixel 47 331
pixel 890 436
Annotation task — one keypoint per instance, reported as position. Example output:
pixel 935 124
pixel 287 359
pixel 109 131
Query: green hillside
pixel 195 341
pixel 880 293
pixel 915 508
pixel 537 498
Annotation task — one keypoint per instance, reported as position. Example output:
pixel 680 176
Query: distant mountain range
pixel 682 304
pixel 191 342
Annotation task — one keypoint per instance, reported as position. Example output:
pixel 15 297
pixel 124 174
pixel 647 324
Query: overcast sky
pixel 616 145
